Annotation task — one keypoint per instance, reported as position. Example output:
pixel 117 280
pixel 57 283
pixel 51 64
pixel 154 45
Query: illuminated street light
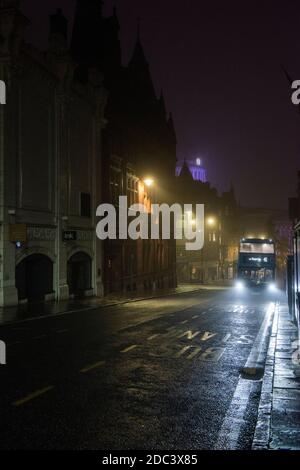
pixel 211 221
pixel 149 182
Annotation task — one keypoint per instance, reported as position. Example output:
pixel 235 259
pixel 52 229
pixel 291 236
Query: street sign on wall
pixel 69 235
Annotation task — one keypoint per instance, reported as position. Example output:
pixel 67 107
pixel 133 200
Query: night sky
pixel 219 66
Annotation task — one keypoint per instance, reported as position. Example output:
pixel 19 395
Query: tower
pixel 86 37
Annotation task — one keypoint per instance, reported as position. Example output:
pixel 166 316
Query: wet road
pixel 180 372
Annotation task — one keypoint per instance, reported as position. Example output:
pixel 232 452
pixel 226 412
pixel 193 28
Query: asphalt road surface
pixel 179 372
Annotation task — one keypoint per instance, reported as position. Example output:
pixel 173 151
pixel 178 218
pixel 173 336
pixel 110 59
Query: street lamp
pixel 211 221
pixel 149 182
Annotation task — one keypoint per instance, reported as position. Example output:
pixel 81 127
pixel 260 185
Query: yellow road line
pixel 130 348
pixel 92 366
pixel 32 396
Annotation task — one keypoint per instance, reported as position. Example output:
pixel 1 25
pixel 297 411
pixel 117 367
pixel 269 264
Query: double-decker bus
pixel 256 263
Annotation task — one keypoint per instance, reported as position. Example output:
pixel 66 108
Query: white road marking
pixel 207 335
pixel 212 354
pixel 234 419
pixel 130 348
pixel 40 337
pixel 14 343
pixel 189 334
pixel 183 322
pixel 195 316
pixel 194 353
pixel 226 338
pixel 182 351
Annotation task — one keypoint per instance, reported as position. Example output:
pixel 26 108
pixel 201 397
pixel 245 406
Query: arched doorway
pixel 79 274
pixel 34 278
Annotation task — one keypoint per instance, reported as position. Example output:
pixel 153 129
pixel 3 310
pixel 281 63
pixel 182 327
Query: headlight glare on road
pixel 272 287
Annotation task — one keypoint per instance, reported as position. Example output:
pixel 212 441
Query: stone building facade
pixel 50 167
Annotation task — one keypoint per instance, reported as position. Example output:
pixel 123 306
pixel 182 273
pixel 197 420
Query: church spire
pixel 140 75
pixel 138 57
pixel 185 172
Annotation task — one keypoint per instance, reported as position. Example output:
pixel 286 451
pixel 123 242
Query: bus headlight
pixel 239 285
pixel 272 287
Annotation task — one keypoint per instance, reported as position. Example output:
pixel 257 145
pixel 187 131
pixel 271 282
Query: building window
pixel 85 205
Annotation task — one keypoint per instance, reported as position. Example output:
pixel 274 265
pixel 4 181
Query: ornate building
pixel 217 260
pixel 138 142
pixel 195 167
pixel 50 167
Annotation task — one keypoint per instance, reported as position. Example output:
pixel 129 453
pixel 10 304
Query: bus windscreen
pixel 263 248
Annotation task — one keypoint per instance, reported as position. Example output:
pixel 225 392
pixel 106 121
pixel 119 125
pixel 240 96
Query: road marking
pixel 189 334
pixel 205 311
pixel 194 353
pixel 226 338
pixel 207 335
pixel 92 366
pixel 14 343
pixel 39 337
pixel 183 322
pixel 182 351
pixel 130 348
pixel 59 332
pixel 32 396
pixel 212 354
pixel 234 419
pixel 195 316
pixel 152 337
pixel 245 339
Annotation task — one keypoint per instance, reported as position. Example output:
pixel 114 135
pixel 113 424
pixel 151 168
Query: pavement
pixel 174 372
pixel 278 424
